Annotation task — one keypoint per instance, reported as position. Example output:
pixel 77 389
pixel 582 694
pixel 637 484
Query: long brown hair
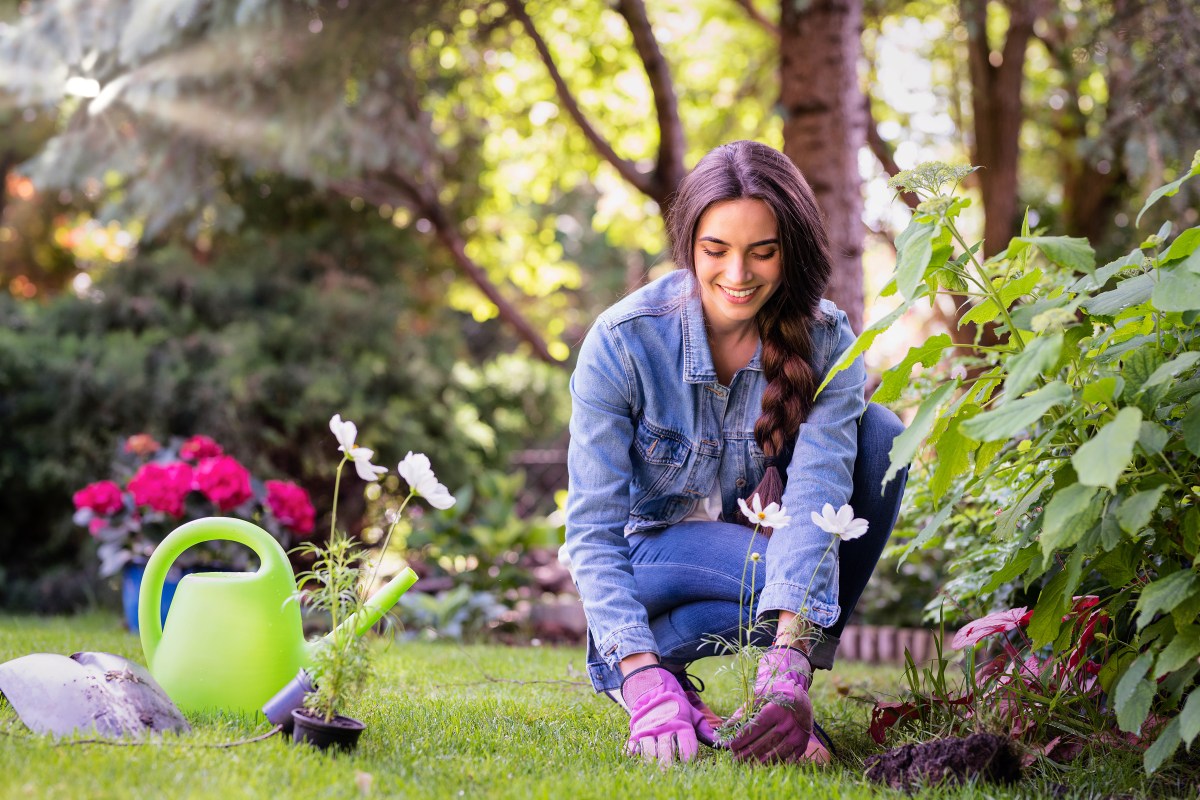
pixel 751 170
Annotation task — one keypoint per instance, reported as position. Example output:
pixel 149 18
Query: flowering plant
pixel 154 488
pixel 337 583
pixel 842 525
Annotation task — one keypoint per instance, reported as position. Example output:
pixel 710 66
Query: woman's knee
pixel 880 425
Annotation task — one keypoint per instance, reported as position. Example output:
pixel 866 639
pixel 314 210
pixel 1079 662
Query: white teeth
pixel 742 293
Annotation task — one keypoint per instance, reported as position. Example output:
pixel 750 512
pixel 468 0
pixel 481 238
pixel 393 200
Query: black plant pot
pixel 340 732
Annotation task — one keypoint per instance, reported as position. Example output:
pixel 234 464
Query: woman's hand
pixel 780 730
pixel 663 725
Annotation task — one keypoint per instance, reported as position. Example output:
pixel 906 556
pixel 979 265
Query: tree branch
pixel 670 169
pixel 624 167
pixel 883 152
pixel 756 15
pixel 396 190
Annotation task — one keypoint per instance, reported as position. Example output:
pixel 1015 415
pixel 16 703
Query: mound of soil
pixel 984 756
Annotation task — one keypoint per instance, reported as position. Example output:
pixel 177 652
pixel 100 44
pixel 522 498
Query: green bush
pixel 1067 455
pixel 257 348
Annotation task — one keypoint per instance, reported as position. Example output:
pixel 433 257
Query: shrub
pixel 1067 453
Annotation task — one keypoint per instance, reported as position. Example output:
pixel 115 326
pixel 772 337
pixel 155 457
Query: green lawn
pixel 448 721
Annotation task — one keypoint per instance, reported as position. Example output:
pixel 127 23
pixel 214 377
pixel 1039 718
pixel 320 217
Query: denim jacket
pixel 653 431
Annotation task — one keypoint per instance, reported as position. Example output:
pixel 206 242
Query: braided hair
pixel 746 169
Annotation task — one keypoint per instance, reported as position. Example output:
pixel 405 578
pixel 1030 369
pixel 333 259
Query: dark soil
pixel 981 756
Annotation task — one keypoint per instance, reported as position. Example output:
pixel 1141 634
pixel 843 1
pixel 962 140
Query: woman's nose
pixel 735 269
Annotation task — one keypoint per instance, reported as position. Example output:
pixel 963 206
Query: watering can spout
pixel 379 604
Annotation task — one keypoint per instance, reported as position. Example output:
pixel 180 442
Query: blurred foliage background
pixel 238 217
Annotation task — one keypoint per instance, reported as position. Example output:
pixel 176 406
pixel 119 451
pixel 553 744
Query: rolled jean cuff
pixel 789 597
pixel 823 652
pixel 627 641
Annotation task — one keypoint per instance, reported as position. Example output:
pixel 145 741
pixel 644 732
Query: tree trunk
pixel 824 128
pixel 996 80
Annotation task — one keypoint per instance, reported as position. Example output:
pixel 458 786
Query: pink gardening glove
pixel 781 728
pixel 663 726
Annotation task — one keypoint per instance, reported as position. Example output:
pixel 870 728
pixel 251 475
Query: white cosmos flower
pixel 346 431
pixel 841 523
pixel 773 516
pixel 415 469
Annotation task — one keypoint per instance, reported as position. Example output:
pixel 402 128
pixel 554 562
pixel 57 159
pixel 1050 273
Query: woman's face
pixel 738 263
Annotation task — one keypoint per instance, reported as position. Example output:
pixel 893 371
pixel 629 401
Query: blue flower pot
pixel 131 589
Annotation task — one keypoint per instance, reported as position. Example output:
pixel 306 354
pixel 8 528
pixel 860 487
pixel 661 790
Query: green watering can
pixel 234 639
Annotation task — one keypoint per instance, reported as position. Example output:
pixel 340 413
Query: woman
pixel 694 392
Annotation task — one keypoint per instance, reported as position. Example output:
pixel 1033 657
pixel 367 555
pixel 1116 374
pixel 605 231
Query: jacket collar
pixel 697 357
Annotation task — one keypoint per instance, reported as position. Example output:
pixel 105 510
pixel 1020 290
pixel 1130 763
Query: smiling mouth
pixel 739 294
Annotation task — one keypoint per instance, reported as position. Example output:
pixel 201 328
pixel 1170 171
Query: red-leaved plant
pixel 155 489
pixel 1018 689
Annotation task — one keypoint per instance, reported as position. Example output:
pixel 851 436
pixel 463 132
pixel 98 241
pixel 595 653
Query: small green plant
pixel 340 577
pixel 342 667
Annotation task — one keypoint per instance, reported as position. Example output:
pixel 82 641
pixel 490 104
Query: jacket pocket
pixel 660 460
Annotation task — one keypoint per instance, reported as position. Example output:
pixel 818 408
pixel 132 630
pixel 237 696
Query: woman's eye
pixel 712 254
pixel 764 256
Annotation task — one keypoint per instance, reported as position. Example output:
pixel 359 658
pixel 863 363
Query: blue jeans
pixel 690 576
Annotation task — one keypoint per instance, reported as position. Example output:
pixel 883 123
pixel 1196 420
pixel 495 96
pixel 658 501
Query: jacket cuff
pixel 627 641
pixel 781 596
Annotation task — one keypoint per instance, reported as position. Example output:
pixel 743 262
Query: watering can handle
pixel 273 562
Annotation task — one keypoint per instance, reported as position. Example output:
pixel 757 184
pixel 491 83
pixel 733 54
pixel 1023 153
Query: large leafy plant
pixel 1078 424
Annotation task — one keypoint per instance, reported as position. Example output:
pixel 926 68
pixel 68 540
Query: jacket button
pixel 740 482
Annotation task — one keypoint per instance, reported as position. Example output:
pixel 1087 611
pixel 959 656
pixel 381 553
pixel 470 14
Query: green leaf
pixel 1163 748
pixel 1164 594
pixel 1023 369
pixel 1129 292
pixel 896 378
pixel 1134 513
pixel 1012 568
pixel 1102 390
pixel 1138 365
pixel 953 453
pixel 1119 566
pixel 929 531
pixel 914 248
pixel 1189 719
pixel 863 341
pixel 1184 648
pixel 1070 514
pixel 1102 459
pixel 1153 437
pixel 1134 694
pixel 1166 191
pixel 1097 279
pixel 1178 286
pixel 1006 526
pixel 905 446
pixel 1019 287
pixel 1016 415
pixel 1174 367
pixel 1184 245
pixel 1048 613
pixel 1072 252
pixel 1190 426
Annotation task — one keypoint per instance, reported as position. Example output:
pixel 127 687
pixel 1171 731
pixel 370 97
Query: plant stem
pixel 991 290
pixel 832 538
pixel 387 539
pixel 337 484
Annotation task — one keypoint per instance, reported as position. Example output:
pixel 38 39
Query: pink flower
pixel 163 487
pixel 102 497
pixel 983 627
pixel 224 481
pixel 199 447
pixel 291 506
pixel 95 526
